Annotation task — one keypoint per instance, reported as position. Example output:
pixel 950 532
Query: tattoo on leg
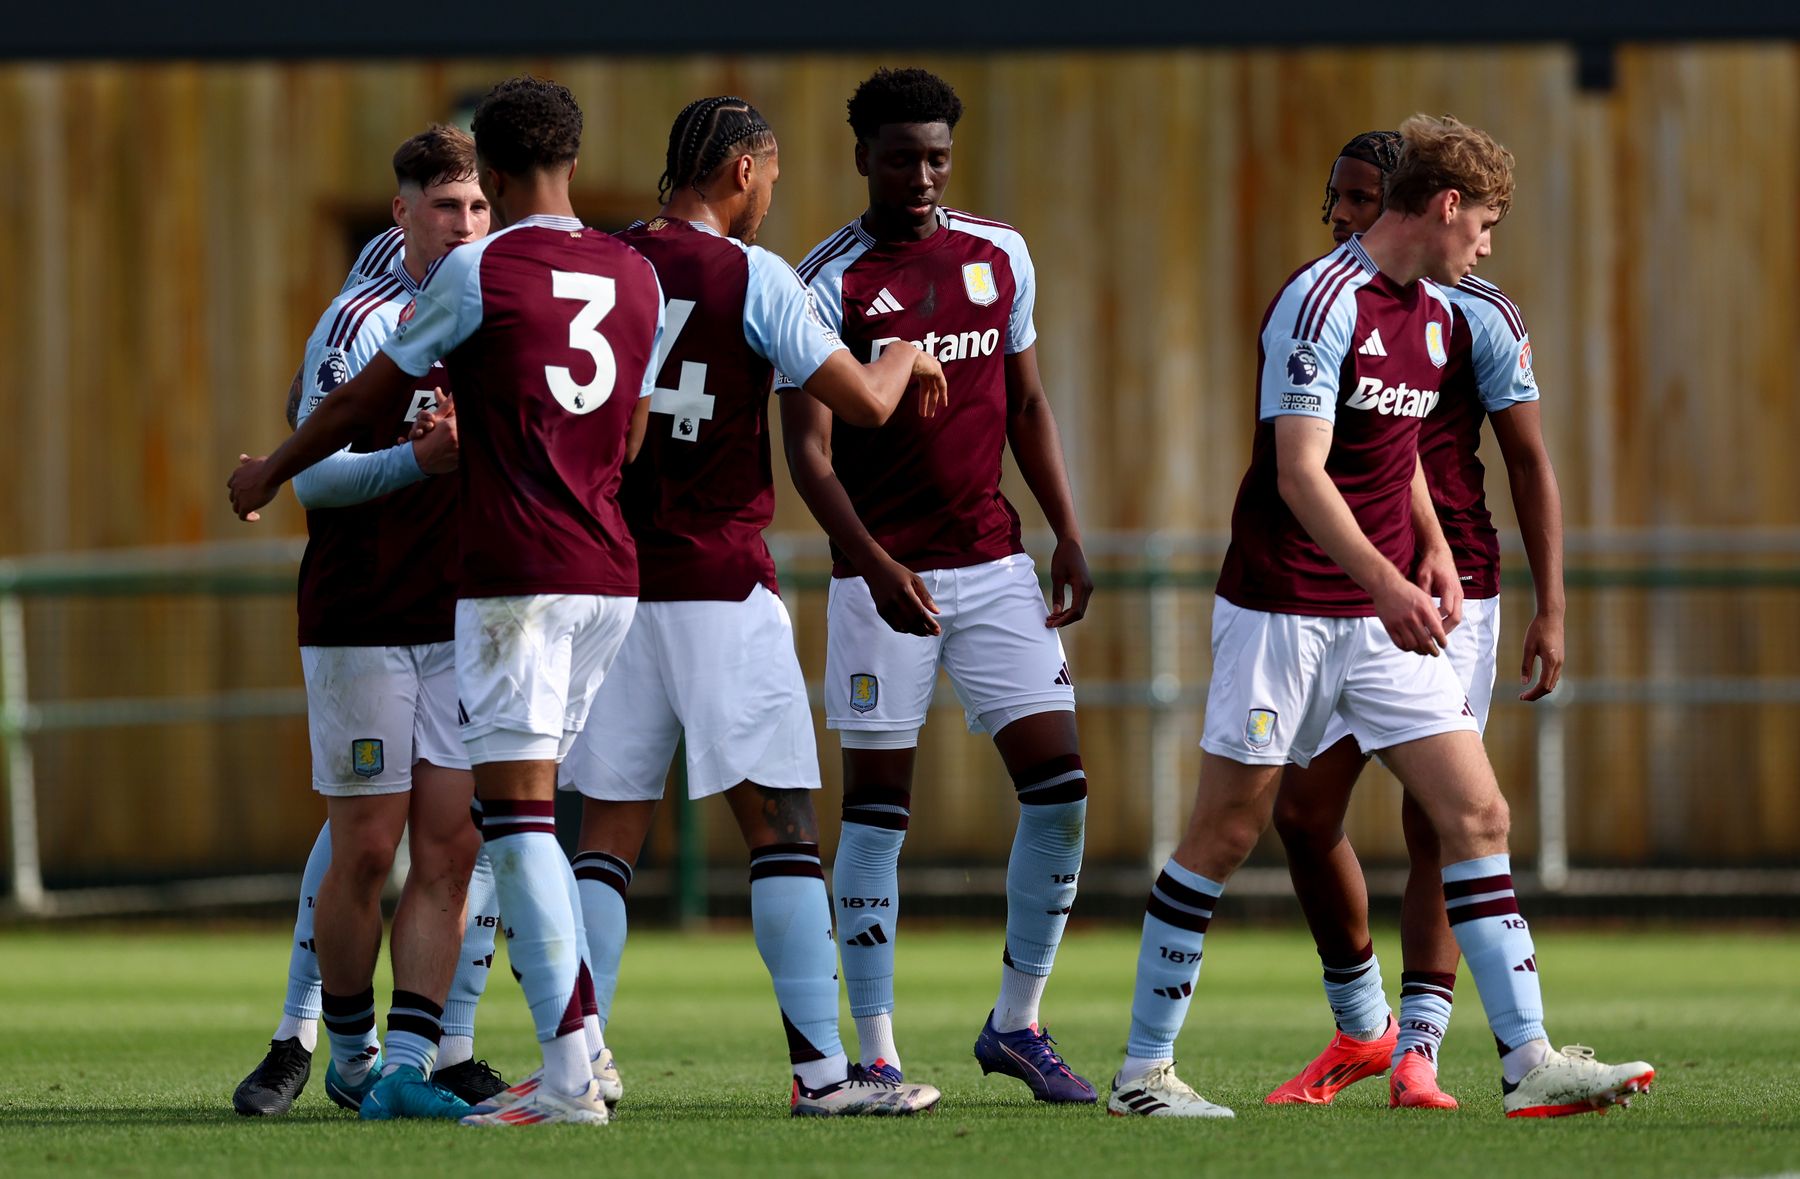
pixel 789 814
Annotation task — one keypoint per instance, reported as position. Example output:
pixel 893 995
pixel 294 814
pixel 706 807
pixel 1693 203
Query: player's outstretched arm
pixel 375 394
pixel 1301 446
pixel 1434 564
pixel 1037 448
pixel 1538 501
pixel 867 394
pixel 900 596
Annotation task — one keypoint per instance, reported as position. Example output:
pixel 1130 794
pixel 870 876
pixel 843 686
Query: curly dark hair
pixel 527 123
pixel 902 96
pixel 1379 149
pixel 707 131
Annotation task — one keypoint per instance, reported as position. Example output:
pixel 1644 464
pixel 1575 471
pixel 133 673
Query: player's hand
pixel 438 450
pixel 1071 585
pixel 1436 575
pixel 249 491
pixel 928 379
pixel 1543 645
pixel 428 420
pixel 1410 617
pixel 902 600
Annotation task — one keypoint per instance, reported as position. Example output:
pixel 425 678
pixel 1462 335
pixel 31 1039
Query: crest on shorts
pixel 865 691
pixel 1259 729
pixel 365 757
pixel 1434 343
pixel 978 281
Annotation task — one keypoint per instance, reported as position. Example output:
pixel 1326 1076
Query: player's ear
pixel 862 158
pixel 1452 204
pixel 746 171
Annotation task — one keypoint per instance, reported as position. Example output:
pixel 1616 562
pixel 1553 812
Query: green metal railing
pixel 1160 569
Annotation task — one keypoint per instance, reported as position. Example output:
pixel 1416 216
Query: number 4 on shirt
pixel 688 403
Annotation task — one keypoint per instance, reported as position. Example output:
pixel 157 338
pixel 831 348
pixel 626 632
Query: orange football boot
pixel 1345 1061
pixel 1414 1085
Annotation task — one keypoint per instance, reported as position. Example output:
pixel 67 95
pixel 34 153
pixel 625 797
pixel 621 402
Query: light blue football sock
pixel 1496 943
pixel 476 958
pixel 530 878
pixel 1358 1002
pixel 1175 919
pixel 791 917
pixel 866 880
pixel 300 1009
pixel 604 881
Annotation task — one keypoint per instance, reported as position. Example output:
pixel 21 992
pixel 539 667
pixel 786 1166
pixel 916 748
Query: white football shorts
pixel 1002 660
pixel 371 712
pixel 724 674
pixel 527 668
pixel 1278 679
pixel 1474 653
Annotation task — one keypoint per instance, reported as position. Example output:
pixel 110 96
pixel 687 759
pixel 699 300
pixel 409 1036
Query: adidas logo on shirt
pixel 884 304
pixel 1372 345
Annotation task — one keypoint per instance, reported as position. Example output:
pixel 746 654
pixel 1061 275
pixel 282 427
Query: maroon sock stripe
pixel 1453 889
pixel 501 818
pixel 414 1013
pixel 608 869
pixel 1352 970
pixel 1052 768
pixel 1180 906
pixel 878 806
pixel 1181 894
pixel 1428 982
pixel 1498 907
pixel 786 859
pixel 584 990
pixel 800 1049
pixel 1058 780
pixel 348 1015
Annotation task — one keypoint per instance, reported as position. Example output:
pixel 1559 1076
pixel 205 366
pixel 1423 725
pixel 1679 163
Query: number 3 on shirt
pixel 596 294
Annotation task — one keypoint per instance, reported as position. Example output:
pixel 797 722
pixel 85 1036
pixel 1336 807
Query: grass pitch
pixel 119 1052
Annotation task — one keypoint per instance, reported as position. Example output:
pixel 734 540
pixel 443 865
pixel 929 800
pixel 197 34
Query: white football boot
pixel 606 1074
pixel 1571 1081
pixel 539 1105
pixel 1159 1093
pixel 862 1095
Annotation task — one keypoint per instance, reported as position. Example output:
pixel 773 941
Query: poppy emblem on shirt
pixel 865 692
pixel 406 314
pixel 1434 343
pixel 978 281
pixel 1259 729
pixel 365 757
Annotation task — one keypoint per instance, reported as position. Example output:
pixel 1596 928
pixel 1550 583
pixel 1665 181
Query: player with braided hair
pixel 1490 378
pixel 916 518
pixel 710 655
pixel 548 330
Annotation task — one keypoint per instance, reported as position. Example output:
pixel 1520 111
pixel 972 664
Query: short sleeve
pixel 782 323
pixel 1301 369
pixel 825 302
pixel 1502 362
pixel 444 314
pixel 1021 330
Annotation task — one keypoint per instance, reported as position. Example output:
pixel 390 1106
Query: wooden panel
pixel 175 229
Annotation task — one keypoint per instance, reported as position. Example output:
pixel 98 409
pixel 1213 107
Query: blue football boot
pixel 1027 1054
